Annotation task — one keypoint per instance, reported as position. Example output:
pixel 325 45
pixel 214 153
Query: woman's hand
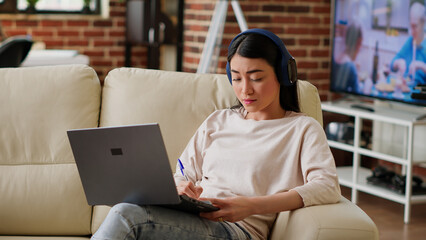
pixel 237 208
pixel 231 209
pixel 189 189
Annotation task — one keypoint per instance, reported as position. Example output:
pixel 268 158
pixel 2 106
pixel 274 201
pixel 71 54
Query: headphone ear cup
pixel 292 70
pixel 228 72
pixel 288 77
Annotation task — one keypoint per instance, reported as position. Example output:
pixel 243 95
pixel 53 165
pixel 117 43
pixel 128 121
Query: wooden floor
pixel 389 217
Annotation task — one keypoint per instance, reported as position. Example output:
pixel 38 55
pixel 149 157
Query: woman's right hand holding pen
pixel 189 189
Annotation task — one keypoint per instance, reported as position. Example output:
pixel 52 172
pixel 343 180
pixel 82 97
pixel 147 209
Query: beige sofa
pixel 41 196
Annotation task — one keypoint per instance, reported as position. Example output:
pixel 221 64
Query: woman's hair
pixel 254 45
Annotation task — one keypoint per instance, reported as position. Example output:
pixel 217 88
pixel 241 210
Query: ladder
pixel 211 50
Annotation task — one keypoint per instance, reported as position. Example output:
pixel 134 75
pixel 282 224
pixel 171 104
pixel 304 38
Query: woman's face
pixel 256 87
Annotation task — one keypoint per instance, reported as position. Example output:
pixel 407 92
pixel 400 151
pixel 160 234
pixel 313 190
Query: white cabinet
pixel 355 176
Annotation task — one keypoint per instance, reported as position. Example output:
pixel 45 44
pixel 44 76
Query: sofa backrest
pixel 178 101
pixel 40 189
pixel 309 100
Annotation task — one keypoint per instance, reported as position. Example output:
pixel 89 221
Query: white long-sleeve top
pixel 232 156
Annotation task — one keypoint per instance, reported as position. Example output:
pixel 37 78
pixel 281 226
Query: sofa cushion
pixel 40 189
pixel 178 101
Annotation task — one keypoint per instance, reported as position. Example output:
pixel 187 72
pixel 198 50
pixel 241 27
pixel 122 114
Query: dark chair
pixel 14 50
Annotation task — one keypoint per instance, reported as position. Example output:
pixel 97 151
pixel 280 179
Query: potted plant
pixel 86 7
pixel 31 8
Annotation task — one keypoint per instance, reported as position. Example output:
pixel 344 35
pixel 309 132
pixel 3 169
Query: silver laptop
pixel 128 164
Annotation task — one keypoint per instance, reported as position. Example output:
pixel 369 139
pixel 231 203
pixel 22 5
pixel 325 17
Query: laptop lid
pixel 124 164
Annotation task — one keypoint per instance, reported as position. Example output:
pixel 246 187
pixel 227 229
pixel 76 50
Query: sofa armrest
pixel 343 220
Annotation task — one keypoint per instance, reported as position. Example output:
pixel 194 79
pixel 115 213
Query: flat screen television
pixel 374 43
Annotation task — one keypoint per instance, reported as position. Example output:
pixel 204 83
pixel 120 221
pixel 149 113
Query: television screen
pixel 379 49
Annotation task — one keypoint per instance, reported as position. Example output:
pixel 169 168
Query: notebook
pixel 128 164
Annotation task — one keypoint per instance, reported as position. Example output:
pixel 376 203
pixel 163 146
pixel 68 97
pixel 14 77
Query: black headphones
pixel 288 74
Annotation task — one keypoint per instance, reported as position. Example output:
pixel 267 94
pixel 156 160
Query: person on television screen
pixel 410 61
pixel 346 76
pixel 252 161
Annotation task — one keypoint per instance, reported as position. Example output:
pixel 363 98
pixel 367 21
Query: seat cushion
pixel 40 189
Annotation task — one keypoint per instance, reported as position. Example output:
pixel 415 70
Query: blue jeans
pixel 129 221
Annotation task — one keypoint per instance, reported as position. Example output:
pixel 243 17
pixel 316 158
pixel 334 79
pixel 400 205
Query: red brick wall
pixel 304 26
pixel 101 39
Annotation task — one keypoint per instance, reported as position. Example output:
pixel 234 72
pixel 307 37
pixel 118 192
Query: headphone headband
pixel 288 74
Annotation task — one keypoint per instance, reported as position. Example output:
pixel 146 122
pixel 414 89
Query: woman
pixel 252 161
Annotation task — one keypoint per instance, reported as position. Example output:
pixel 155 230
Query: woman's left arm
pixel 237 208
pixel 319 175
pixel 318 168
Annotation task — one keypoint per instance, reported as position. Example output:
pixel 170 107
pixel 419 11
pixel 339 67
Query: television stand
pixel 409 145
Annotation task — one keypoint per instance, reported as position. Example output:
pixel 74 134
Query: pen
pixel 182 169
